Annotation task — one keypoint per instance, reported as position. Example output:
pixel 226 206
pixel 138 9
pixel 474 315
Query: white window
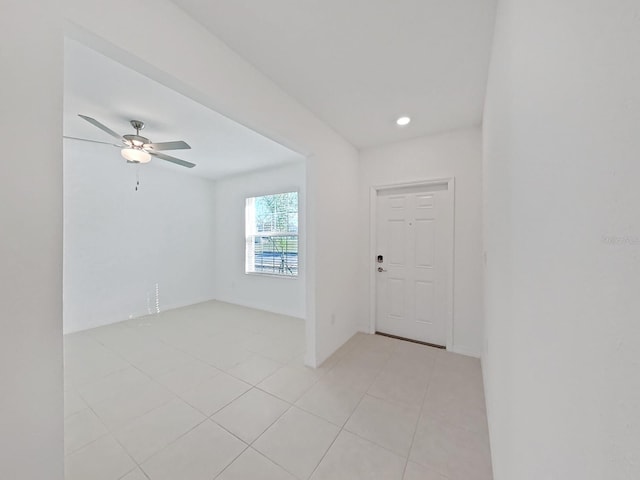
pixel 272 234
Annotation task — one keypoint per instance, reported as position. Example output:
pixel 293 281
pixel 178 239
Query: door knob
pixel 380 269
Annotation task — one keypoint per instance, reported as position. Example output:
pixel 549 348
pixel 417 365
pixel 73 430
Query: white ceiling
pixel 113 94
pixel 359 64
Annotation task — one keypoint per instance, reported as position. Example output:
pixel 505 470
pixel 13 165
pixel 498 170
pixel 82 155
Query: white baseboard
pixel 462 350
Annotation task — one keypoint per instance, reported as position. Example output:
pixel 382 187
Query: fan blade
pixel 178 145
pixel 92 141
pixel 102 127
pixel 175 160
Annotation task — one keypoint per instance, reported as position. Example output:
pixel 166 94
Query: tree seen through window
pixel 272 234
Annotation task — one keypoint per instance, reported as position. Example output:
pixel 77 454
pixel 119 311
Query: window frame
pixel 251 233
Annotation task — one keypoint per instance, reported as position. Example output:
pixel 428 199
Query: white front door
pixel 414 241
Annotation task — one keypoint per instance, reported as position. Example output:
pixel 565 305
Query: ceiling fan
pixel 136 148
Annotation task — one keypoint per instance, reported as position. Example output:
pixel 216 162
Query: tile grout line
pixel 342 360
pixel 111 432
pixel 250 445
pixel 415 428
pixel 346 421
pixel 293 405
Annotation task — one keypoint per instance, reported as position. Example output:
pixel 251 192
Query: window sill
pixel 272 275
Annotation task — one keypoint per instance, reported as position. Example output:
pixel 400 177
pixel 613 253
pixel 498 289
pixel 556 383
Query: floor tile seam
pixel 325 454
pixel 199 357
pixel 272 460
pixel 83 384
pixel 109 433
pixel 365 393
pixel 120 354
pixel 262 455
pixel 293 405
pixel 172 369
pixel 319 416
pixel 88 444
pixel 236 343
pixel 231 375
pixel 137 417
pixel 196 385
pixel 155 337
pixel 397 404
pixel 232 461
pixel 289 405
pixel 139 464
pixel 430 466
pixel 211 364
pixel 266 429
pixel 130 365
pixel 253 385
pixel 162 449
pixel 415 426
pixel 257 387
pixel 277 360
pixel 340 430
pixel 286 400
pixel 205 413
pixel 184 350
pixel 300 407
pixel 360 436
pixel 440 419
pixel 137 467
pixel 135 462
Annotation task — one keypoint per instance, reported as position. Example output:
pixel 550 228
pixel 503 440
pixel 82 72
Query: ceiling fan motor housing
pixel 136 140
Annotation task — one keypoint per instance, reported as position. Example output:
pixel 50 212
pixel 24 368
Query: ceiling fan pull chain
pixel 137 177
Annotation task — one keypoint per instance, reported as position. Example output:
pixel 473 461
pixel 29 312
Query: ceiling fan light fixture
pixel 136 155
pixel 135 147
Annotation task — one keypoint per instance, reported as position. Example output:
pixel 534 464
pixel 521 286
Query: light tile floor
pixel 218 391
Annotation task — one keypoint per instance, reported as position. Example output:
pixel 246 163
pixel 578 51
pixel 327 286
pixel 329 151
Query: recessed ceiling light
pixel 403 121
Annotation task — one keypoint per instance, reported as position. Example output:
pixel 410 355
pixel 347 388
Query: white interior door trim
pixel 373 195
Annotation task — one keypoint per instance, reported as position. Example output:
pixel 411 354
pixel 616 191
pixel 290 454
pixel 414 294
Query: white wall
pixel 454 154
pixel 562 233
pixel 189 59
pixel 281 295
pixel 31 55
pixel 119 243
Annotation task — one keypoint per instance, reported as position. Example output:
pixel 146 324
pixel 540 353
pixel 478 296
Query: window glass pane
pixel 272 234
pixel 275 254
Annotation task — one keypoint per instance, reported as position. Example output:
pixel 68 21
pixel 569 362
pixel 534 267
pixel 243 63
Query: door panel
pixel 396 298
pixel 397 240
pixel 424 302
pixel 412 289
pixel 424 239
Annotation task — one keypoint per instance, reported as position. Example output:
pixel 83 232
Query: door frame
pixel 373 232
